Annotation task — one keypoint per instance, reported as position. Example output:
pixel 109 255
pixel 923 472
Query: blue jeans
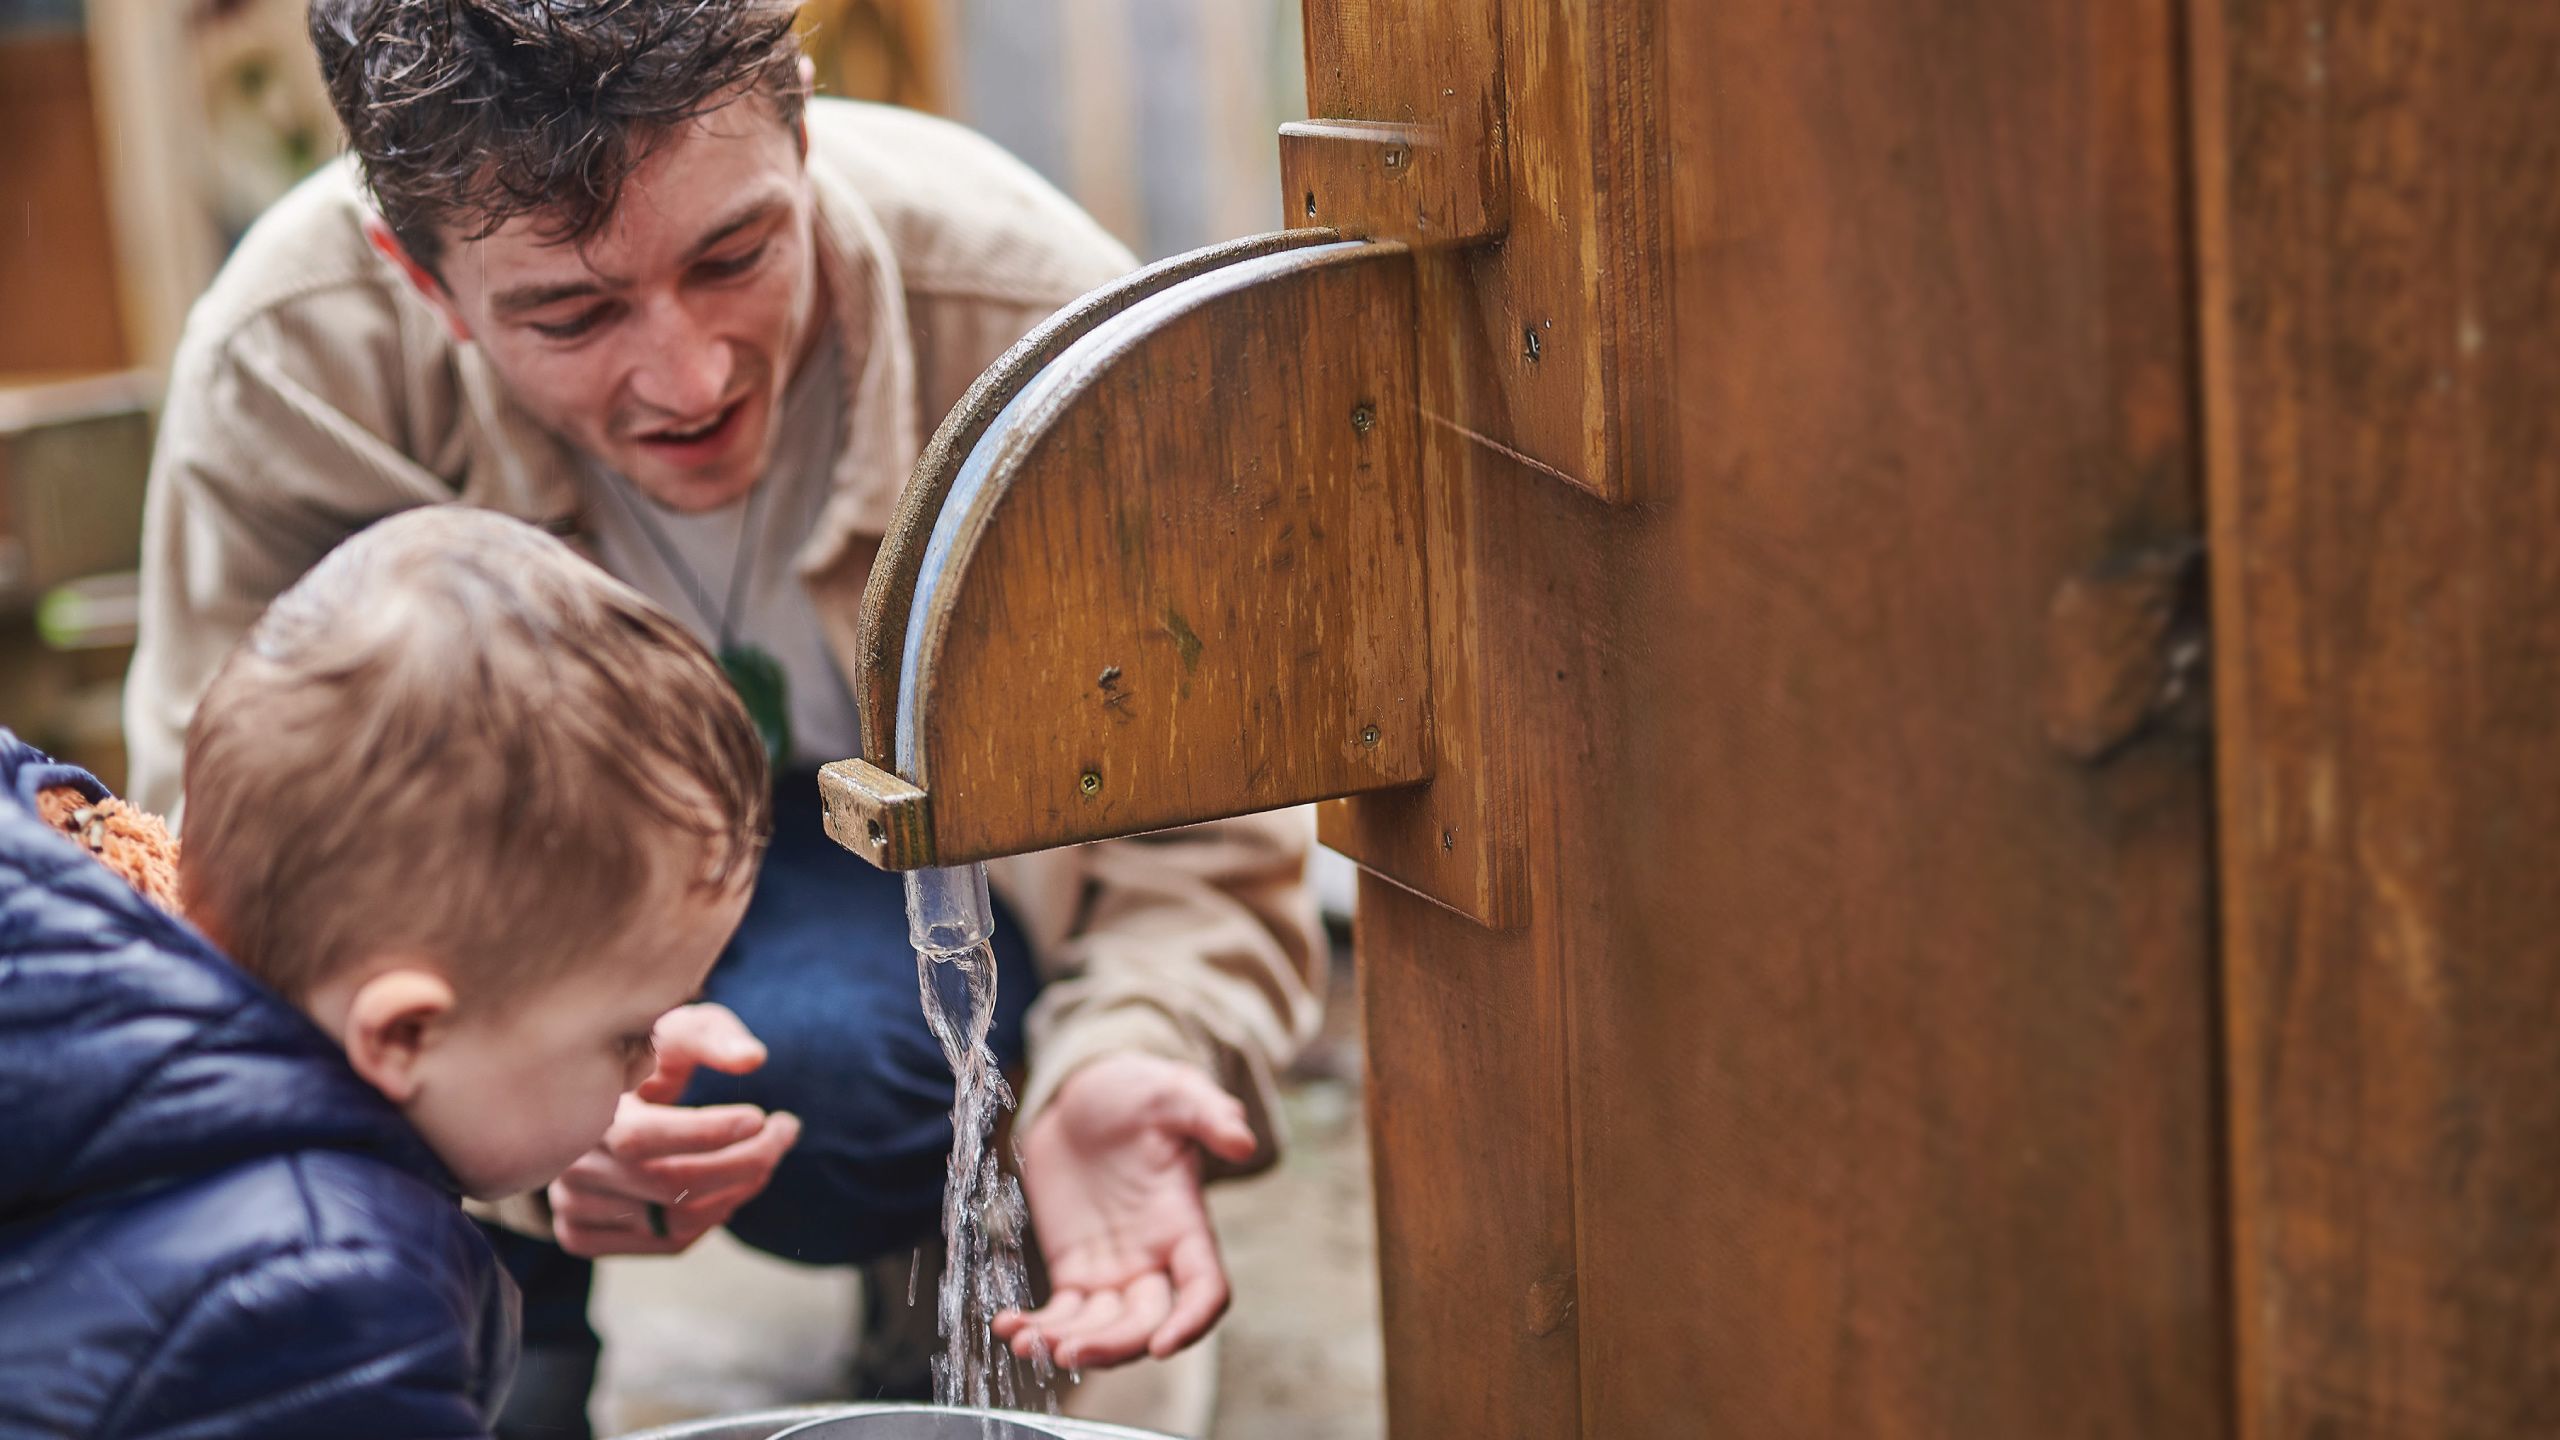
pixel 821 971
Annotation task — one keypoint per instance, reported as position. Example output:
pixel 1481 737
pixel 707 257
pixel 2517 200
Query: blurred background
pixel 139 138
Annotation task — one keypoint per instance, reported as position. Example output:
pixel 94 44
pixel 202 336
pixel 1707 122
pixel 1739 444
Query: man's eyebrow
pixel 534 297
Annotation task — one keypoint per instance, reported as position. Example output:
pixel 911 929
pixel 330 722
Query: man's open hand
pixel 695 1166
pixel 1112 1173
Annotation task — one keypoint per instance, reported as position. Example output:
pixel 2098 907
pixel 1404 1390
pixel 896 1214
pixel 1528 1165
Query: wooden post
pixel 2381 255
pixel 1793 1003
pixel 1851 1073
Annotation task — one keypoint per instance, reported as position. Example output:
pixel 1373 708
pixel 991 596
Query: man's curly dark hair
pixel 469 113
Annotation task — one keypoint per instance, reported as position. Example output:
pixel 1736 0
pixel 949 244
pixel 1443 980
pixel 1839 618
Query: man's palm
pixel 1112 1174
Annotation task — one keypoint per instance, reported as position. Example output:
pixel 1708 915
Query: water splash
pixel 983 1217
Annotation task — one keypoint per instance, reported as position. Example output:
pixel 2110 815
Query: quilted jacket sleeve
pixel 320 1343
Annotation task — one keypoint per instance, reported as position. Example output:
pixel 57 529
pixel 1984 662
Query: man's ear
pixel 393 1021
pixel 422 279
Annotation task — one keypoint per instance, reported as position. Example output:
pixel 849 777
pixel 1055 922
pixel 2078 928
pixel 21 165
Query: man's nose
pixel 684 368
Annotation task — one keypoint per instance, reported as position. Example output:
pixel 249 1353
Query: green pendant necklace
pixel 753 672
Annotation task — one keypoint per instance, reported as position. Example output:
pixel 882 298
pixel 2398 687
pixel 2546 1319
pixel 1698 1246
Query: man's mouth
pixel 703 437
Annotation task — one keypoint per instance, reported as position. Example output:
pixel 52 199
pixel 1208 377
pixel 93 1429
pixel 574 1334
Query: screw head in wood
pixel 1090 782
pixel 1369 736
pixel 1529 344
pixel 1364 418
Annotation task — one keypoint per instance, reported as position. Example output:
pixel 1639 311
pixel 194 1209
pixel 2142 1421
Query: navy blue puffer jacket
pixel 210 1226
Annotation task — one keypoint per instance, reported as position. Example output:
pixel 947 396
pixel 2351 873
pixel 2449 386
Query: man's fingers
pixel 695 1036
pixel 597 1222
pixel 1025 1329
pixel 601 1177
pixel 593 1242
pixel 713 1035
pixel 645 1131
pixel 1120 1333
pixel 1199 1295
pixel 750 1162
pixel 1215 1119
pixel 1100 1307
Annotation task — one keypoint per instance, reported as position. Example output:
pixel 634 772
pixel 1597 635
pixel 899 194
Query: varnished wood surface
pixel 1431 68
pixel 59 308
pixel 1573 301
pixel 1564 104
pixel 875 814
pixel 1384 181
pixel 1462 839
pixel 882 628
pixel 1894 1106
pixel 1468 1122
pixel 1882 1021
pixel 1191 583
pixel 2381 208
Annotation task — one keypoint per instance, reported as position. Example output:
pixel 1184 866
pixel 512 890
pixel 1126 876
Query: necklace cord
pixel 739 569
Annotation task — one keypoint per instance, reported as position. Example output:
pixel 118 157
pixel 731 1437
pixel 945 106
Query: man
pixel 612 272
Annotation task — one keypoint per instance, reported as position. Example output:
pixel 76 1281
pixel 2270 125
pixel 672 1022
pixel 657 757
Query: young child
pixel 469 816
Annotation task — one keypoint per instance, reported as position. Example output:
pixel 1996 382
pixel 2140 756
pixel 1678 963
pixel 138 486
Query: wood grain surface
pixel 880 633
pixel 60 312
pixel 1881 1022
pixel 1571 323
pixel 1563 104
pixel 1191 584
pixel 1385 181
pixel 1460 839
pixel 1894 1106
pixel 1431 69
pixel 2380 190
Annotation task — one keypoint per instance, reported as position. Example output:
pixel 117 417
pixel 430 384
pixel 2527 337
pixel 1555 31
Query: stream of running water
pixel 983 1218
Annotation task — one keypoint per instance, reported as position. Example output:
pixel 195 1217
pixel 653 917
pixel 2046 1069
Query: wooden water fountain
pixel 1936 625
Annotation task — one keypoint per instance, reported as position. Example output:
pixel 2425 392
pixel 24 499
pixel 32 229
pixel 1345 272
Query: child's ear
pixel 393 1020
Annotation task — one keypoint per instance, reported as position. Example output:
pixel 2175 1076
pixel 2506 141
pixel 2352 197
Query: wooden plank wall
pixel 2380 190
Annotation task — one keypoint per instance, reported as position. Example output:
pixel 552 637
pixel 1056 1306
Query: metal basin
pixel 893 1422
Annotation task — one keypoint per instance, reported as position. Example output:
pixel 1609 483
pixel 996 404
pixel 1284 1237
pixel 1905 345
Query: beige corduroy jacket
pixel 314 393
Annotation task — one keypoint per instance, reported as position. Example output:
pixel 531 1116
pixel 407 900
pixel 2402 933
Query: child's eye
pixel 640 1046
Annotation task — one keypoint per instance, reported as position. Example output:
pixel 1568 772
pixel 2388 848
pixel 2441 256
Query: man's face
pixel 662 346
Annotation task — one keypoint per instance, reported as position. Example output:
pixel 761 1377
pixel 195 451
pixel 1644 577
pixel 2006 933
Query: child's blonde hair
pixel 457 737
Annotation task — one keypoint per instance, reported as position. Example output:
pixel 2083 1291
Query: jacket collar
pixel 131 1051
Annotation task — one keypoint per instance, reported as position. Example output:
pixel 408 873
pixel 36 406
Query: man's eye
pixel 576 325
pixel 731 267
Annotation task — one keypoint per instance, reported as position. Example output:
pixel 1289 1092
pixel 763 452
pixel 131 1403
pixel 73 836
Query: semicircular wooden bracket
pixel 1167 567
pixel 880 633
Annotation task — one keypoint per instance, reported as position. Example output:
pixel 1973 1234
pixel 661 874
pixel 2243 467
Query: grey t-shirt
pixel 773 609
